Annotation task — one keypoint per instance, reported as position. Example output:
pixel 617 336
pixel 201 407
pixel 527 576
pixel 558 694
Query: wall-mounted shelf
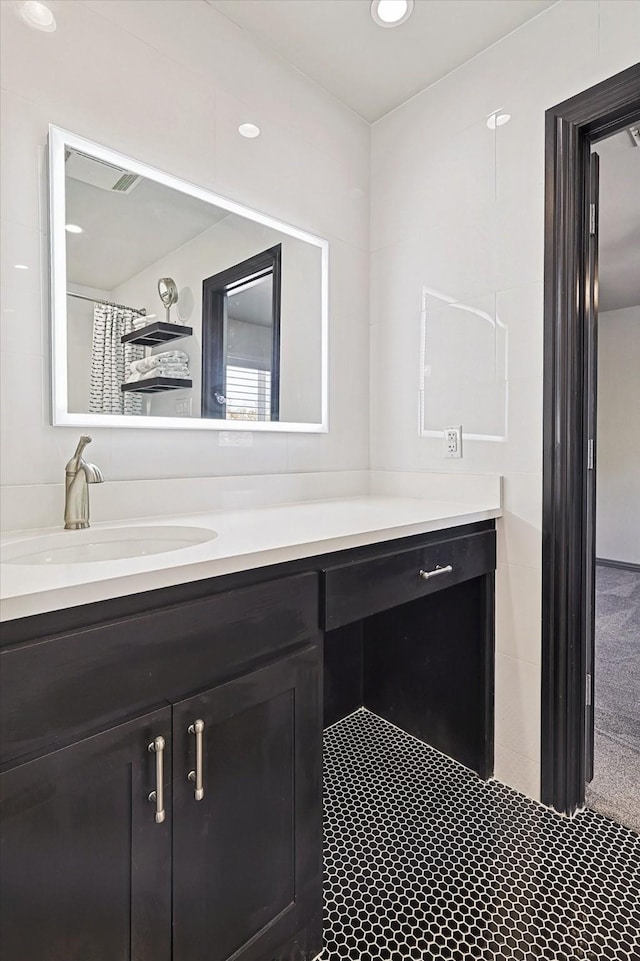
pixel 156 334
pixel 155 385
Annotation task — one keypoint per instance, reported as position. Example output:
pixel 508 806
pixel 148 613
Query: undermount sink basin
pixel 82 547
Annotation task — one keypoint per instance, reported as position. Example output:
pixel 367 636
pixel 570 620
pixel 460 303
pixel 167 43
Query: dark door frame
pixel 571 129
pixel 214 323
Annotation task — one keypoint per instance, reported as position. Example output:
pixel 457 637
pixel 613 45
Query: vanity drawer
pixel 58 688
pixel 360 588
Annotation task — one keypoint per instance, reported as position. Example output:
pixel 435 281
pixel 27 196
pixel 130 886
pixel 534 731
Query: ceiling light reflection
pixel 249 130
pixel 498 119
pixel 37 15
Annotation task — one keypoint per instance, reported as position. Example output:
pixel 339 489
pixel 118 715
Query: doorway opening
pixel 241 340
pixel 573 128
pixel 613 765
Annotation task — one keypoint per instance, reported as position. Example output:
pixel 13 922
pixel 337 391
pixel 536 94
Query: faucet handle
pixel 82 443
pixel 77 461
pixel 74 463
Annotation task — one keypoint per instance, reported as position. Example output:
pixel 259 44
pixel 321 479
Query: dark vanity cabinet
pixel 418 651
pixel 162 753
pixel 110 850
pixel 246 827
pixel 86 869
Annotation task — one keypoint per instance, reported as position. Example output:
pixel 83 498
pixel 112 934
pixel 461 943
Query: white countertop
pixel 248 538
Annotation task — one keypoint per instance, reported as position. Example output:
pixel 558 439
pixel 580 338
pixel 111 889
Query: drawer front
pixel 356 590
pixel 58 688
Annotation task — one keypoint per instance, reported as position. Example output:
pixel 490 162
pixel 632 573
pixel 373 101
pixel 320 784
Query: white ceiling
pixel 125 233
pixel 619 246
pixel 367 67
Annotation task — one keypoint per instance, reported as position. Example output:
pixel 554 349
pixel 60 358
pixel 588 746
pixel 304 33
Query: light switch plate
pixel 453 441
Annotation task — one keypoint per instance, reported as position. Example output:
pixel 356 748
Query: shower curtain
pixel 109 359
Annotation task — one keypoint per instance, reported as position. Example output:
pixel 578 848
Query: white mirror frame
pixel 58 140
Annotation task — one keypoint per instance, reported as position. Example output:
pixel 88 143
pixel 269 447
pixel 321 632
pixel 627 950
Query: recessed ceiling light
pixel 249 130
pixel 37 15
pixel 73 229
pixel 497 119
pixel 391 13
pixel 20 266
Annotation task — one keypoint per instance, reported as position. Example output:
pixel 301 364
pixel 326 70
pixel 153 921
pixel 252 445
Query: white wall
pixel 169 83
pixel 459 208
pixel 618 461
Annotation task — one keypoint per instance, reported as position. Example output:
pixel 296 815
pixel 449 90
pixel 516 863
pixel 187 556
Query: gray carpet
pixel 615 789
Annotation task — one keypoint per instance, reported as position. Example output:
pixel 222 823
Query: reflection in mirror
pixel 241 340
pixel 168 293
pixel 175 307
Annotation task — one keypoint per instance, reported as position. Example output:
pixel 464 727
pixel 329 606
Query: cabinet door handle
pixel 197 728
pixel 157 797
pixel 427 575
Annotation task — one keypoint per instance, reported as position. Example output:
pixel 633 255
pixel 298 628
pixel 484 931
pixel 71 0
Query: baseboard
pixel 623 565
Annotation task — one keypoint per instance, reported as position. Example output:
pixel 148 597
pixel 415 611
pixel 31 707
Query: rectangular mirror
pixel 174 307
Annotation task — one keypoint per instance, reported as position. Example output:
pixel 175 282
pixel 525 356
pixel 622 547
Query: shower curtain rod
pixel 107 303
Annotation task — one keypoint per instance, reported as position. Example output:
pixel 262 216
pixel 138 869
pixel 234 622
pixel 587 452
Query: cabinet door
pixel 85 865
pixel 247 855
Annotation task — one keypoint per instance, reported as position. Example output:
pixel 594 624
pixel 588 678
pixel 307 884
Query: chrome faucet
pixel 78 473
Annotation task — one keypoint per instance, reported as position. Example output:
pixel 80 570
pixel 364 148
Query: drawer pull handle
pixel 157 797
pixel 427 575
pixel 197 728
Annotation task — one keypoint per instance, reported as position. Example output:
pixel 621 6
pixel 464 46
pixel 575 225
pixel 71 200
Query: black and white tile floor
pixel 425 861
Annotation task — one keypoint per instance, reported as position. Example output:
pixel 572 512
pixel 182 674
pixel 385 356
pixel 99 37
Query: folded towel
pixel 170 355
pixel 176 370
pixel 171 370
pixel 179 371
pixel 159 360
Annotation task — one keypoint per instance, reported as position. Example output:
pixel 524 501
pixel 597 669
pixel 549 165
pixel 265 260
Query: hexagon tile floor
pixel 425 861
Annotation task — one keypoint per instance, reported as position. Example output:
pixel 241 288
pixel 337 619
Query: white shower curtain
pixel 109 359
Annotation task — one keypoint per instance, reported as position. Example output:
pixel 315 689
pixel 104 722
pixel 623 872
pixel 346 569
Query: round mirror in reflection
pixel 168 291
